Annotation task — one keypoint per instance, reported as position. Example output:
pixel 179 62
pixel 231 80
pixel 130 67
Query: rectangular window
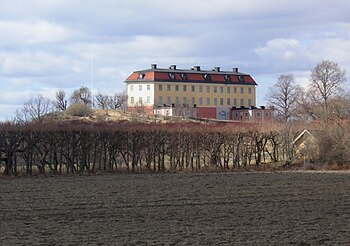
pixel 140 87
pixel 148 87
pixel 177 100
pixel 193 100
pixel 160 87
pixel 221 89
pixel 200 88
pixel 208 88
pixel 215 101
pixel 184 88
pixel 249 90
pixel 235 102
pixel 246 115
pixel 228 89
pixel 242 102
pixel 266 114
pixel 242 90
pixel 221 101
pixel 215 89
pixel 200 101
pixel 168 87
pixel 184 100
pixel 148 99
pixel 192 88
pixel 208 101
pixel 258 114
pixel 132 100
pixel 249 102
pixel 235 90
pixel 160 101
pixel 168 100
pixel 228 101
pixel 140 100
pixel 176 87
pixel 131 87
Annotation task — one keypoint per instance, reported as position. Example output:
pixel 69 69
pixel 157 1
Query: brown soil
pixel 171 209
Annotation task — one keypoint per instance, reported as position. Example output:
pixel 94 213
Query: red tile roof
pixel 197 76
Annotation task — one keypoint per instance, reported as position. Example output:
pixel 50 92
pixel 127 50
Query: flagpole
pixel 92 83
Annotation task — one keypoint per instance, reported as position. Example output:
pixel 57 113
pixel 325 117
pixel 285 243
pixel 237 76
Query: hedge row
pixel 76 147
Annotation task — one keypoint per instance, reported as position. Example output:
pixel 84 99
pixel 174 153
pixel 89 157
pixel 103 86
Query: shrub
pixel 79 109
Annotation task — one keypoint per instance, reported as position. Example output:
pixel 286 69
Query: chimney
pixel 197 68
pixel 153 66
pixel 235 69
pixel 173 67
pixel 216 69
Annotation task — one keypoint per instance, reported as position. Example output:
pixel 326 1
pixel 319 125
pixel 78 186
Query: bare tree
pixel 102 101
pixel 327 80
pixel 285 96
pixel 61 102
pixel 34 110
pixel 118 101
pixel 81 95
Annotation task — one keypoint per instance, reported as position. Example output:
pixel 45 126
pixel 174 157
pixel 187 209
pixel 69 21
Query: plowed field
pixel 177 209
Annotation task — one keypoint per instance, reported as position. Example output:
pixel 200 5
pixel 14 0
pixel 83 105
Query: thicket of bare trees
pixel 325 102
pixel 324 99
pixel 117 101
pixel 83 96
pixel 36 108
pixel 88 148
pixel 334 144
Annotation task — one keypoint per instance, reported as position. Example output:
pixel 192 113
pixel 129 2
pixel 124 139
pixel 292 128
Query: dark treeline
pixel 77 148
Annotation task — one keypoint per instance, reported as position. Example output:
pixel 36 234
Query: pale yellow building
pixel 211 93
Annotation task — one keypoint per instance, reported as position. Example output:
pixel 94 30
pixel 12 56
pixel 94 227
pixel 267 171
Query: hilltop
pixel 100 115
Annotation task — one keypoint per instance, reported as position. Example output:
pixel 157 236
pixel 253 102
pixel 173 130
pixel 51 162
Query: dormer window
pixel 241 78
pixel 171 75
pixel 141 75
pixel 183 76
pixel 206 77
pixel 227 78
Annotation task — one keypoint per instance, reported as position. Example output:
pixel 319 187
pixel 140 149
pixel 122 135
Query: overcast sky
pixel 46 45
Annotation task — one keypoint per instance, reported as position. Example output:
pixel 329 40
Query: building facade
pixel 192 92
